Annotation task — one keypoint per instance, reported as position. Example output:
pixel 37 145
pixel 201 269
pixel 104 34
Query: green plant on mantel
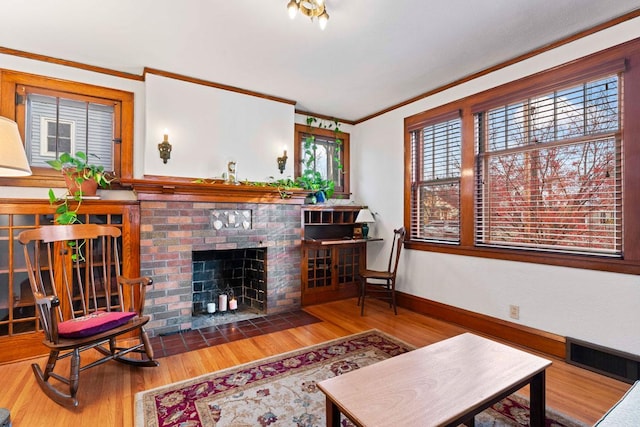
pixel 311 179
pixel 78 172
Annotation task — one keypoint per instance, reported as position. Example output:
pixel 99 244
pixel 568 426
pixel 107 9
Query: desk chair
pixel 382 284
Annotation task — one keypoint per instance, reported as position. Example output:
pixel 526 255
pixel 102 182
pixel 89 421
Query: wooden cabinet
pixel 20 333
pixel 331 257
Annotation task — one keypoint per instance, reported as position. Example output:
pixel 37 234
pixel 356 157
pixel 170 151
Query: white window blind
pixel 549 171
pixel 84 126
pixel 435 186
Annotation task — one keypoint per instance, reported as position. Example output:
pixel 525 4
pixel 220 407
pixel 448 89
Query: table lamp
pixel 365 217
pixel 13 160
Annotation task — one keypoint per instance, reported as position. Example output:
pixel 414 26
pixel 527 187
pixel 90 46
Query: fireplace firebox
pixel 237 273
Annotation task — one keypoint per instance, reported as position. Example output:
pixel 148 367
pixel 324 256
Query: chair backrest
pixel 79 264
pixel 396 248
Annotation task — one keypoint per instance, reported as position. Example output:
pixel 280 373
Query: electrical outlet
pixel 514 311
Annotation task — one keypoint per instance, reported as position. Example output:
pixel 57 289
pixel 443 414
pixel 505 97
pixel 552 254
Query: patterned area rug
pixel 281 390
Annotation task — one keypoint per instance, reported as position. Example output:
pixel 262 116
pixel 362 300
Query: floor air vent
pixel 606 361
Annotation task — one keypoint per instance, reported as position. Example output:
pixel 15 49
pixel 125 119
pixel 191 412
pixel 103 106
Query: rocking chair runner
pixel 83 302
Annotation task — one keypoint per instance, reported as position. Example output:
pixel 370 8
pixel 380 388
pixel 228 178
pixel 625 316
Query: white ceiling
pixel 374 53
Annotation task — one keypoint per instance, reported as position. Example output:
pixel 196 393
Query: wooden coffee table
pixel 446 383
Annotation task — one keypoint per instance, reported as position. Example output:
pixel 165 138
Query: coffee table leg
pixel 537 407
pixel 333 414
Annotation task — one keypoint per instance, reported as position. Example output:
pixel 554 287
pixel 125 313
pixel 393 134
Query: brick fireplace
pixel 171 231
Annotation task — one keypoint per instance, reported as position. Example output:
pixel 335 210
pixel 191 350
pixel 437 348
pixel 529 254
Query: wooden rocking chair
pixel 83 302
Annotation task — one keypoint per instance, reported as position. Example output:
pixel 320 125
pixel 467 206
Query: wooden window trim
pixel 12 82
pixel 300 131
pixel 627 55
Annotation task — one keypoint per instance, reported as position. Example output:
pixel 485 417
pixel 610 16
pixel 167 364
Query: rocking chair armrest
pixel 47 307
pixel 133 297
pixel 144 280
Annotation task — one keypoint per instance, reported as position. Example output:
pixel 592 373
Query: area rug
pixel 281 390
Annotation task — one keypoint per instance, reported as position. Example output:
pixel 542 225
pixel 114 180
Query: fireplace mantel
pixel 153 188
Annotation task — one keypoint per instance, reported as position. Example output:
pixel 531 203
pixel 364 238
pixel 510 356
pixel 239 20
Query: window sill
pixel 586 262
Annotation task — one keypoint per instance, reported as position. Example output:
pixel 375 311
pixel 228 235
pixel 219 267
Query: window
pixel 435 180
pixel 330 149
pixel 549 171
pixel 59 125
pixel 543 169
pixel 55 116
pixel 55 137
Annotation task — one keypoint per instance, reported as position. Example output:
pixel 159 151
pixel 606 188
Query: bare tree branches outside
pixel 549 171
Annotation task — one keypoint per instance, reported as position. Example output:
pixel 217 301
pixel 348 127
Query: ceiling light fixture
pixel 310 8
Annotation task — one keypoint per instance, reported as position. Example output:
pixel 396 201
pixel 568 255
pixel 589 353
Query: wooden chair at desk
pixel 383 283
pixel 83 303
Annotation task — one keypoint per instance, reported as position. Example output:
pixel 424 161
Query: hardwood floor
pixel 107 392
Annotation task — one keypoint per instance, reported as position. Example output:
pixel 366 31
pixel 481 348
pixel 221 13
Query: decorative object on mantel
pixel 282 161
pixel 13 159
pixel 310 8
pixel 165 148
pixel 231 219
pixel 365 217
pixel 82 179
pixel 232 174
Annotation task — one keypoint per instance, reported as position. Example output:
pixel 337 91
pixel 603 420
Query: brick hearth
pixel 171 231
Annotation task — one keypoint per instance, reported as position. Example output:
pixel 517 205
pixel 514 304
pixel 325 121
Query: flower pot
pixel 89 187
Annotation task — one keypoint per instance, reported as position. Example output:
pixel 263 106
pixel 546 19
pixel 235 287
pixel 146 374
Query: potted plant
pixel 82 179
pixel 80 175
pixel 311 179
pixel 321 189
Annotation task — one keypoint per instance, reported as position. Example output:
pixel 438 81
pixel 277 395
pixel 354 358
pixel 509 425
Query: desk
pixel 345 241
pixel 446 383
pixel 330 268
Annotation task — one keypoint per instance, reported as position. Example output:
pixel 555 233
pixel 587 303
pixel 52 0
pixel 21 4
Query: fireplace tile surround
pixel 170 231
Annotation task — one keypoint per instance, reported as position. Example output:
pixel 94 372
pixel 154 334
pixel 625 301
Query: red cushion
pixel 93 323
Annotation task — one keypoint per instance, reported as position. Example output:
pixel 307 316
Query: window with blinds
pixel 56 116
pixel 435 181
pixel 549 171
pixel 56 125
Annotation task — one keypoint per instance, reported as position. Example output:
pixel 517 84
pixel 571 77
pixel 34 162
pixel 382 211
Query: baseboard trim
pixel 535 339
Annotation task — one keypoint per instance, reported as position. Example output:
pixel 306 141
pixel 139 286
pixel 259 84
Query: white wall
pixel 594 306
pixel 208 127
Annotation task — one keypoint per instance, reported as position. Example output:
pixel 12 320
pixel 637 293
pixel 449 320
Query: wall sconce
pixel 165 148
pixel 282 161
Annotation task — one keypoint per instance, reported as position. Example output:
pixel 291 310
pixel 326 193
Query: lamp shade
pixel 365 216
pixel 13 160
